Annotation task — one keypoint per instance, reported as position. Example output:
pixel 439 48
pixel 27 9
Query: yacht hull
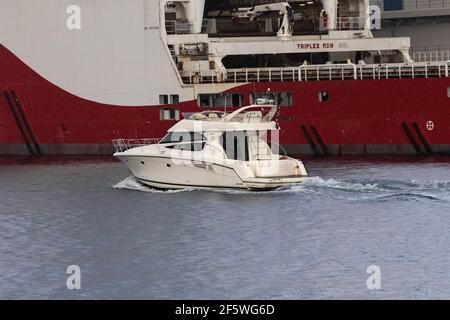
pixel 168 173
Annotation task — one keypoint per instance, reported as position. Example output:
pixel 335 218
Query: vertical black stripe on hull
pixel 422 138
pixel 37 148
pixel 18 123
pixel 411 138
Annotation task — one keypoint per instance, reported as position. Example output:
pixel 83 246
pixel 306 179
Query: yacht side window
pixel 448 92
pixel 186 141
pixel 235 145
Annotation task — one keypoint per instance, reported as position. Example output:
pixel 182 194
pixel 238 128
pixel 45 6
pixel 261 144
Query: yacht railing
pixel 123 145
pixel 279 146
pixel 319 73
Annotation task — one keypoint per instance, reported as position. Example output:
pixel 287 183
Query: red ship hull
pixel 390 116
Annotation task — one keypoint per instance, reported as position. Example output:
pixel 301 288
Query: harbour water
pixel 312 241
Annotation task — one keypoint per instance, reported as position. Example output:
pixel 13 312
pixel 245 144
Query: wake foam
pixel 341 185
pixel 352 190
pixel 131 183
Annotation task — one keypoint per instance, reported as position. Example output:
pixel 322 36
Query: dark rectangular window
pixel 393 5
pixel 174 99
pixel 283 99
pixel 170 114
pixel 220 100
pixel 448 92
pixel 236 145
pixel 324 96
pixel 163 99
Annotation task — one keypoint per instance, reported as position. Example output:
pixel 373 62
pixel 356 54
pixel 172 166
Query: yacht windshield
pixel 183 137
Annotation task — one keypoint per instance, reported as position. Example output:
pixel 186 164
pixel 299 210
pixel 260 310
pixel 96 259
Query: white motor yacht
pixel 214 149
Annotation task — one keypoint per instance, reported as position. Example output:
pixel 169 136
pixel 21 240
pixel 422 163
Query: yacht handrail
pixel 280 147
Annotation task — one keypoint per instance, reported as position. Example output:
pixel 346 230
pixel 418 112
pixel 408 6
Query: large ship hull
pixel 389 116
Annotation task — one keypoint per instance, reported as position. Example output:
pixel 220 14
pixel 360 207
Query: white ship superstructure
pixel 160 48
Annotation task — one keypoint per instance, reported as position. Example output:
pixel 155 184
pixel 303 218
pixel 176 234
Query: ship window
pixel 324 96
pixel 174 99
pixel 163 99
pixel 170 114
pixel 448 92
pixel 393 5
pixel 220 100
pixel 283 99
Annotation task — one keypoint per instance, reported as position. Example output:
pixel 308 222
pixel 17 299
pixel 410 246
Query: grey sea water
pixel 312 241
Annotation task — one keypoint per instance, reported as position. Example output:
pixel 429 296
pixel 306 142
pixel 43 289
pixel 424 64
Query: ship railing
pixel 178 27
pixel 343 23
pixel 319 72
pixel 123 145
pixel 431 56
pixel 350 23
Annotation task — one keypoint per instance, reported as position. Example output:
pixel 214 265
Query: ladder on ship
pixel 171 48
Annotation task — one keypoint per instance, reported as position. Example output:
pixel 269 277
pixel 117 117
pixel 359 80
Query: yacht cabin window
pixel 186 141
pixel 177 137
pixel 246 145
